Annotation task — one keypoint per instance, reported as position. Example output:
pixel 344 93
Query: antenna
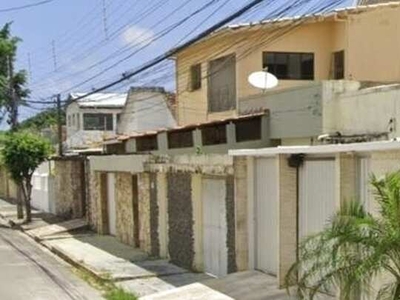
pixel 263 80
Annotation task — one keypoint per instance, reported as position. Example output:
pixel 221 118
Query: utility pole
pixel 14 124
pixel 59 125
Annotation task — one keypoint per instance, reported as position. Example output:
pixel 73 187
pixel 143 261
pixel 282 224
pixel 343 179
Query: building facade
pixel 92 118
pixel 358 43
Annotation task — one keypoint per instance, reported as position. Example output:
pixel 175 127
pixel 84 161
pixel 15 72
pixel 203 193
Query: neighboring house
pixel 92 118
pixel 358 43
pixel 146 108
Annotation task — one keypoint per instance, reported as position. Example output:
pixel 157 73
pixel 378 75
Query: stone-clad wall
pixel 180 216
pixel 230 220
pixel 154 216
pixel 70 188
pixel 124 208
pixel 94 213
pixel 144 212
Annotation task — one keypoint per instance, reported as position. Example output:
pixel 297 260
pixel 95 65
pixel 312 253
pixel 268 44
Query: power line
pixel 25 6
pixel 170 53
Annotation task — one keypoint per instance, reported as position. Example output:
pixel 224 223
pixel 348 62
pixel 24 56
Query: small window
pixel 290 66
pixel 214 135
pixel 180 139
pixel 69 121
pixel 338 65
pixel 147 143
pixel 101 122
pixel 195 77
pixel 248 130
pixel 73 120
pixel 118 118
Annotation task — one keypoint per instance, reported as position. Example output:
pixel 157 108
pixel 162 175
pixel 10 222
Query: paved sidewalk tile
pixel 108 266
pixel 58 228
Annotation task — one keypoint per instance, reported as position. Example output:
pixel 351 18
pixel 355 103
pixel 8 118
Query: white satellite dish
pixel 263 80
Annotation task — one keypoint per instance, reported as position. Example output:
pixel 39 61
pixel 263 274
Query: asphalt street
pixel 30 272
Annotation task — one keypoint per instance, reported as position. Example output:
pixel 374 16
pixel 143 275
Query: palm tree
pixel 354 250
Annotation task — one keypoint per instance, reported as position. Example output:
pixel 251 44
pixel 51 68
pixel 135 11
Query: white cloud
pixel 137 36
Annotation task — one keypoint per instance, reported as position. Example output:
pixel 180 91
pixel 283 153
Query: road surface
pixel 29 272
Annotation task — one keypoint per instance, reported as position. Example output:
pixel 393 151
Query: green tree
pixel 12 84
pixel 22 153
pixel 354 249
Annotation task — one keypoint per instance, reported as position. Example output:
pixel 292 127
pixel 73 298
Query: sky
pixel 78 45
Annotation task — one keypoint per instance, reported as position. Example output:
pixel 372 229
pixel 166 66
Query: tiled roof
pixel 121 138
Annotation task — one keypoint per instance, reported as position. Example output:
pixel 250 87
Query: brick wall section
pixel 144 212
pixel 241 199
pixel 287 217
pixel 180 216
pixel 346 178
pixel 230 217
pixel 69 188
pixel 124 208
pixel 154 211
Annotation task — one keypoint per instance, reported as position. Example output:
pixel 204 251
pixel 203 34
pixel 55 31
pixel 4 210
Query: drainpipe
pixel 296 161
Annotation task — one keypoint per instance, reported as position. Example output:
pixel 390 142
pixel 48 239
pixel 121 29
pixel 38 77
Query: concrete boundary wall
pixel 169 218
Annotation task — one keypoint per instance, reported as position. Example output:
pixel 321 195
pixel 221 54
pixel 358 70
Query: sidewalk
pixel 102 256
pixel 131 269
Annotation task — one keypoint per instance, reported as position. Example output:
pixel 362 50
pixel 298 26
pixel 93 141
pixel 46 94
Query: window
pixel 338 65
pixel 195 77
pixel 146 143
pixel 102 122
pixel 73 120
pixel 248 130
pixel 214 135
pixel 180 139
pixel 291 66
pixel 69 121
pixel 222 84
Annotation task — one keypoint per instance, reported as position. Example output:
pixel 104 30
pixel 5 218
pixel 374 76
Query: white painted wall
pixel 43 189
pixel 144 111
pixel 361 111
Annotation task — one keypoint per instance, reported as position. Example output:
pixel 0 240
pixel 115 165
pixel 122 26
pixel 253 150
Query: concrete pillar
pixel 287 194
pixel 198 261
pixel 162 139
pixel 197 139
pixel 231 135
pixel 241 213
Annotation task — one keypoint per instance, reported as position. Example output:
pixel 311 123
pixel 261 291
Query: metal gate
pixel 316 195
pixel 111 209
pixel 215 227
pixel 266 215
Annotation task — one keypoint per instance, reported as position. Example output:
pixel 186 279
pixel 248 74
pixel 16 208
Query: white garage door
pixel 316 195
pixel 266 214
pixel 112 218
pixel 215 227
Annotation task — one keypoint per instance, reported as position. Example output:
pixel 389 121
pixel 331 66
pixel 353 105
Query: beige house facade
pixel 359 43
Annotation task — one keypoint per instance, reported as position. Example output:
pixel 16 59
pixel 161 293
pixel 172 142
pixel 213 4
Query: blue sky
pixel 89 40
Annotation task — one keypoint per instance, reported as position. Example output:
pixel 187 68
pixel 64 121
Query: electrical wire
pixel 16 8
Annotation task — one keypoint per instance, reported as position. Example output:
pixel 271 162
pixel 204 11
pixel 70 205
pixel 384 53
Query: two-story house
pixel 359 43
pixel 92 118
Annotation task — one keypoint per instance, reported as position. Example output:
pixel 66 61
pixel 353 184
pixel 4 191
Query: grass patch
pixel 109 289
pixel 116 293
